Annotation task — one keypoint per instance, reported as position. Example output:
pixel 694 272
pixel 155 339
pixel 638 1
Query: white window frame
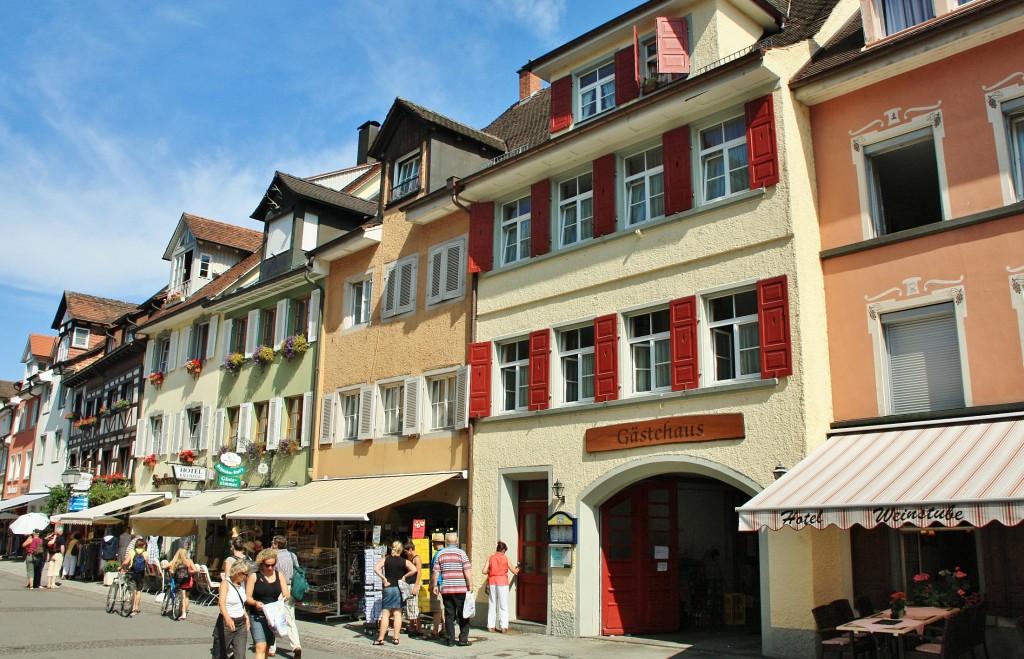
pixel 710 361
pixel 405 178
pixel 391 399
pixel 1005 108
pixel 896 119
pixel 874 17
pixel 877 309
pixel 650 342
pixel 199 348
pixel 644 178
pixel 161 354
pixel 515 230
pixel 604 74
pixel 721 150
pixel 446 262
pixel 575 203
pixel 344 397
pixel 205 266
pixel 359 288
pixel 391 303
pixel 83 343
pixel 194 419
pixel 445 382
pixel 579 354
pixel 156 431
pixel 521 368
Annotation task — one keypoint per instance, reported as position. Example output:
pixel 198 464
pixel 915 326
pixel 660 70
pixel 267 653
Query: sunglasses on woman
pixel 270 564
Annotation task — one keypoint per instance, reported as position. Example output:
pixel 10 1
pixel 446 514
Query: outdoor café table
pixel 914 621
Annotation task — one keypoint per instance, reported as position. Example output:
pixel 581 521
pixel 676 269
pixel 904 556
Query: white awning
pixel 24 499
pixel 343 498
pixel 107 513
pixel 180 517
pixel 945 473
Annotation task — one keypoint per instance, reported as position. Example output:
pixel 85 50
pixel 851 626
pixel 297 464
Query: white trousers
pixel 497 606
pixel 293 629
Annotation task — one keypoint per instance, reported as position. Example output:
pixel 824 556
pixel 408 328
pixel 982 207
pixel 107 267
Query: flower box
pixel 156 379
pixel 233 362
pixel 194 367
pixel 294 346
pixel 263 355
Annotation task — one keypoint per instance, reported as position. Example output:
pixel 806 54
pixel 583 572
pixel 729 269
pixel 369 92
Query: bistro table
pixel 914 621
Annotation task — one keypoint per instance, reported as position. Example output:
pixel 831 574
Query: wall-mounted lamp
pixel 779 471
pixel 559 491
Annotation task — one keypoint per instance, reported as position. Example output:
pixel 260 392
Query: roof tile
pixel 41 345
pixel 91 308
pixel 230 235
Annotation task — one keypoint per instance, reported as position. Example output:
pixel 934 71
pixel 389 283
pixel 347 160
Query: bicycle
pixel 173 601
pixel 121 594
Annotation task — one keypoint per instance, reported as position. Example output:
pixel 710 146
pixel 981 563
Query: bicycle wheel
pixel 177 605
pixel 165 608
pixel 127 597
pixel 112 595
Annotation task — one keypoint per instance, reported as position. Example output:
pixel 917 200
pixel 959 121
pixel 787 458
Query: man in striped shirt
pixel 452 566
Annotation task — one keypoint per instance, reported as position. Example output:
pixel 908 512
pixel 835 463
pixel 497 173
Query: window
pixel 62 349
pixel 926 551
pixel 903 180
pixel 267 319
pixel 200 339
pixel 515 230
pixel 41 453
pixel 649 351
pixel 156 431
pixel 194 418
pixel 58 439
pixel 81 338
pixel 576 209
pixel 645 186
pixel 239 331
pixel 442 401
pixel 350 414
pixel 723 159
pixel 400 286
pixel 923 349
pixel 293 410
pixel 391 397
pixel 446 265
pixel 358 304
pixel 160 355
pixel 279 236
pixel 576 347
pixel 597 90
pixel 1014 111
pixel 898 15
pixel 262 409
pixel 514 362
pixel 298 324
pixel 231 431
pixel 735 344
pixel 204 266
pixel 406 177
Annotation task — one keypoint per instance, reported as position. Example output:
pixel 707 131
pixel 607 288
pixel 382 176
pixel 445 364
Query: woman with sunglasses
pixel 261 588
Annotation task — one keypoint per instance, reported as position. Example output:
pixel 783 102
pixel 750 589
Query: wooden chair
pixel 1019 622
pixel 864 606
pixel 955 641
pixel 977 624
pixel 826 618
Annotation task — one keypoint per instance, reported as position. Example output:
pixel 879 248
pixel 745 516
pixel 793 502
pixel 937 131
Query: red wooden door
pixel 532 582
pixel 639 561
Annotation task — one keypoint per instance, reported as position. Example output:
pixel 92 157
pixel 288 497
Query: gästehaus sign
pixel 669 430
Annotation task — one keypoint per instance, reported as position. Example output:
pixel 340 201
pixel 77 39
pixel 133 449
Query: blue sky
pixel 116 117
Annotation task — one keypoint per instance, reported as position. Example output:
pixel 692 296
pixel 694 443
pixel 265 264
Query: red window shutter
pixel 773 324
pixel 561 104
pixel 604 195
pixel 627 87
pixel 675 147
pixel 540 362
pixel 762 147
pixel 683 338
pixel 481 237
pixel 479 380
pixel 540 217
pixel 673 45
pixel 606 358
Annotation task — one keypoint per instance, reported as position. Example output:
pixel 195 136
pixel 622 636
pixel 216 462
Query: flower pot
pixel 897 613
pixel 108 578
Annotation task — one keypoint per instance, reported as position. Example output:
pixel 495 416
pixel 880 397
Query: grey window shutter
pixel 367 411
pixel 462 397
pixel 411 403
pixel 924 359
pixel 327 419
pixel 307 419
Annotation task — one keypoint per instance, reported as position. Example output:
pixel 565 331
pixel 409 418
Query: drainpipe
pixel 455 186
pixel 315 443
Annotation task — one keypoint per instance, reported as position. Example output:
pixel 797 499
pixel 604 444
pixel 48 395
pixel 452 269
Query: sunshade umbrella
pixel 28 523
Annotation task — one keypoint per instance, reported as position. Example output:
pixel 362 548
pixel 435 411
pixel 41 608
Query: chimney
pixel 529 83
pixel 367 132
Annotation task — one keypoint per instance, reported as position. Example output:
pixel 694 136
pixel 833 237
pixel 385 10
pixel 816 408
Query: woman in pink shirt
pixel 497 588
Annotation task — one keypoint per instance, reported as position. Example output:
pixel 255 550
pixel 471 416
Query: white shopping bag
pixel 469 608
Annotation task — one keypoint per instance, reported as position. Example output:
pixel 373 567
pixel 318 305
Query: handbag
pixel 469 608
pixel 299 586
pixel 405 589
pixel 276 617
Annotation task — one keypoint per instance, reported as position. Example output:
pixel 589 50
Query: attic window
pixel 406 178
pixel 204 266
pixel 279 235
pixel 81 338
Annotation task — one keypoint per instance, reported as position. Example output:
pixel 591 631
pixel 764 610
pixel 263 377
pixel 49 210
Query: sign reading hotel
pixel 190 473
pixel 670 430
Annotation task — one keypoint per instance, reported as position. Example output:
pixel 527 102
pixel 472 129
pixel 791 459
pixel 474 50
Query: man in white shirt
pixel 286 563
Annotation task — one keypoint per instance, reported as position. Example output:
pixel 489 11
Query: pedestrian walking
pixel 392 569
pixel 412 599
pixel 286 564
pixel 55 558
pixel 182 568
pixel 135 564
pixel 71 555
pixel 231 632
pixel 497 588
pixel 33 547
pixel 452 566
pixel 237 546
pixel 436 605
pixel 264 587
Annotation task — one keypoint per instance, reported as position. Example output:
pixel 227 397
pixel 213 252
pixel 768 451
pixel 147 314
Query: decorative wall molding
pixel 1005 81
pixel 896 116
pixel 1016 283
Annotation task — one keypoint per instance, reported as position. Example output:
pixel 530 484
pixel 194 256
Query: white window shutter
pixel 226 339
pixel 147 366
pixel 435 275
pixel 274 423
pixel 204 428
pixel 218 428
pixel 390 278
pixel 140 439
pixel 327 419
pixel 179 431
pixel 307 419
pixel 455 266
pixel 462 397
pixel 244 426
pixel 166 430
pixel 411 404
pixel 313 324
pixel 250 332
pixel 172 352
pixel 211 340
pixel 367 412
pixel 185 350
pixel 281 322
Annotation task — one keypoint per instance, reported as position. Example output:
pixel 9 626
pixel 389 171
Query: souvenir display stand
pixel 321 564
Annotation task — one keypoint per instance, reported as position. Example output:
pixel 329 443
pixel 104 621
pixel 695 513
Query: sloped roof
pixel 806 17
pixel 7 389
pixel 41 346
pixel 307 189
pixel 403 105
pixel 219 233
pixel 526 123
pixel 94 309
pixel 221 282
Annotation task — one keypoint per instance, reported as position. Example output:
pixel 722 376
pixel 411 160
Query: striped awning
pixel 948 473
pixel 180 518
pixel 109 513
pixel 23 500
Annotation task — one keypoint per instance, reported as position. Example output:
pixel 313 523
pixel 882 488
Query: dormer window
pixel 597 90
pixel 181 275
pixel 204 266
pixel 80 338
pixel 898 15
pixel 279 236
pixel 406 177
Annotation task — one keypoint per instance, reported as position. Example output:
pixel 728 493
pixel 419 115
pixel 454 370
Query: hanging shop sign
pixel 561 529
pixel 229 481
pixel 669 430
pixel 419 528
pixel 78 503
pixel 188 494
pixel 190 473
pixel 237 470
pixel 230 459
pixel 263 469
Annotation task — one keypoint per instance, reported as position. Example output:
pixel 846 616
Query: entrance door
pixel 639 561
pixel 532 582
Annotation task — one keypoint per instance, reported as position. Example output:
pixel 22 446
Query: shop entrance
pixel 673 561
pixel 532 581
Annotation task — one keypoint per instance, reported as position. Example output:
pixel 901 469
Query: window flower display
pixel 294 346
pixel 233 362
pixel 263 355
pixel 194 367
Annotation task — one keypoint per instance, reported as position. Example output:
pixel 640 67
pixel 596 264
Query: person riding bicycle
pixel 135 565
pixel 181 568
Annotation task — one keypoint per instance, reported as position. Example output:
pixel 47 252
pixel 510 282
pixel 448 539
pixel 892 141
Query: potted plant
pixel 233 362
pixel 897 605
pixel 263 355
pixel 156 379
pixel 88 423
pixel 110 569
pixel 649 85
pixel 121 405
pixel 294 346
pixel 150 460
pixel 72 416
pixel 194 367
pixel 103 412
pixel 287 447
pixel 187 456
pixel 949 589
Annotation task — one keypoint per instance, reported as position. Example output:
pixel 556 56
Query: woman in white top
pixel 232 629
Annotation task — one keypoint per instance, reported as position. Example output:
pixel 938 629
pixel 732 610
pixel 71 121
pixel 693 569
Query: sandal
pixel 379 641
pixel 394 641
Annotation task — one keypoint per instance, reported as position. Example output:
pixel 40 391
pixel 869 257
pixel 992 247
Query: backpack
pixel 37 549
pixel 299 586
pixel 139 563
pixel 181 574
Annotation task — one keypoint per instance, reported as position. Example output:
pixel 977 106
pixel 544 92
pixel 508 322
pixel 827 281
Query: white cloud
pixel 542 17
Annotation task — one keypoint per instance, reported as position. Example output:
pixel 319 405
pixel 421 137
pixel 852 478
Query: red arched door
pixel 639 561
pixel 532 581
